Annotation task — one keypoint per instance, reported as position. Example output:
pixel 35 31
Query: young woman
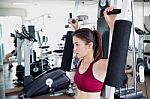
pixel 91 70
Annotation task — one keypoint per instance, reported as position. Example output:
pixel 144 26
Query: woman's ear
pixel 90 45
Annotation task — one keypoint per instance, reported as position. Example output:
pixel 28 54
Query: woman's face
pixel 80 47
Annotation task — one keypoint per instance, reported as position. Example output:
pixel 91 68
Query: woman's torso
pixel 87 95
pixel 88 86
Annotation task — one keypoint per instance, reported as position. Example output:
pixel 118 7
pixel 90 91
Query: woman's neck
pixel 88 59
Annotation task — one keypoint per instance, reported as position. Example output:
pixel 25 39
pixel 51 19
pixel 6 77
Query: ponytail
pixel 97 46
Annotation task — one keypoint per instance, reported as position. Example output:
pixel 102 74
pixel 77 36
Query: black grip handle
pixel 114 11
pixel 73 21
pixel 70 15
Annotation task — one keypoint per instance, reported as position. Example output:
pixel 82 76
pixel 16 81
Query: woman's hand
pixel 74 24
pixel 110 19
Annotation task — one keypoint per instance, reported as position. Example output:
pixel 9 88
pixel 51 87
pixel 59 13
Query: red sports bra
pixel 86 81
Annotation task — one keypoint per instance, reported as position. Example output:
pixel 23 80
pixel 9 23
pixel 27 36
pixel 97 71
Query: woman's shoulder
pixel 99 69
pixel 101 64
pixel 101 61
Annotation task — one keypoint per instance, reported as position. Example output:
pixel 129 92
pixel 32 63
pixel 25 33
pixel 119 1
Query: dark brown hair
pixel 88 36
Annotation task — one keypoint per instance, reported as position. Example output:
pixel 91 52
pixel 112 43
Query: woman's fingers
pixel 74 23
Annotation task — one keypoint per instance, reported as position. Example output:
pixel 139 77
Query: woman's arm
pixel 110 19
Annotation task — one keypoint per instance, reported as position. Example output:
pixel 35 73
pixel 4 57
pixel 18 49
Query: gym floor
pixel 8 91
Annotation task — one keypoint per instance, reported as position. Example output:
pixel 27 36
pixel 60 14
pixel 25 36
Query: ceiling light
pixel 19 3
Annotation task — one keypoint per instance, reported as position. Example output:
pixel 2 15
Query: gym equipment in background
pixel 50 82
pixel 53 80
pixel 20 68
pixel 38 67
pixel 144 59
pixel 42 64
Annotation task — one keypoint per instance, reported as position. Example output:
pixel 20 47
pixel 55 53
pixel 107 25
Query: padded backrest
pixel 68 52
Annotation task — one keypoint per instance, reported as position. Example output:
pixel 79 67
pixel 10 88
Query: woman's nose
pixel 74 50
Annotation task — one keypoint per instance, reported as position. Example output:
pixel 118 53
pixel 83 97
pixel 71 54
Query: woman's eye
pixel 77 44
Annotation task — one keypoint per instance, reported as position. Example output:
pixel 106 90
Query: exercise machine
pixel 42 64
pixel 21 37
pixel 114 87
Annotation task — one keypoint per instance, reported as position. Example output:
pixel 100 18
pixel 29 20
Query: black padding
pixel 38 87
pixel 31 30
pixel 118 53
pixel 68 52
pixel 103 28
